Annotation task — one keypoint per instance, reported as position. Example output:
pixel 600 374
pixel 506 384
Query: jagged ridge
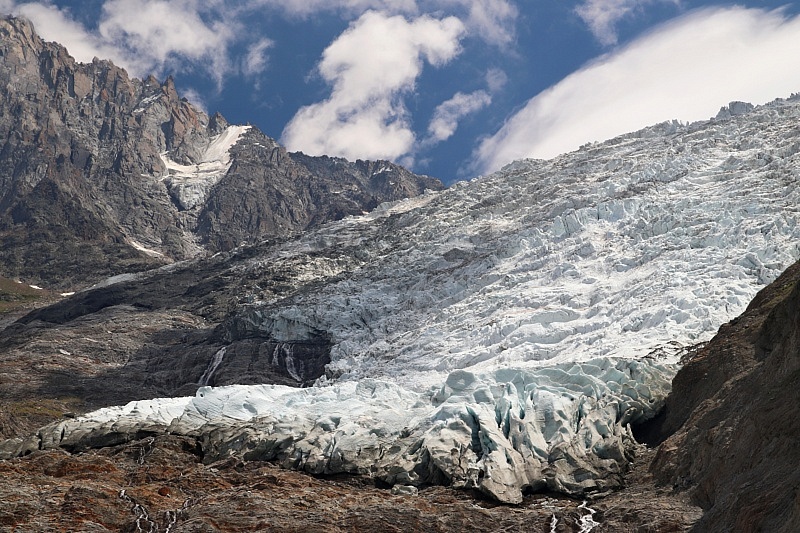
pixel 101 173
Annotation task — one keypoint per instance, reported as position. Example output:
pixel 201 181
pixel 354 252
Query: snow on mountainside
pixel 647 242
pixel 190 184
pixel 503 334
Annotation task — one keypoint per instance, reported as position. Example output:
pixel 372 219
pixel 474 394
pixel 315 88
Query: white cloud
pixel 195 98
pixel 370 67
pixel 143 36
pixel 305 8
pixel 602 16
pixel 492 20
pixel 448 114
pixel 155 31
pixel 685 69
pixel 156 36
pixel 53 24
pixel 496 79
pixel 257 59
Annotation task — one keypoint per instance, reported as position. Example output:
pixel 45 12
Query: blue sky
pixel 450 88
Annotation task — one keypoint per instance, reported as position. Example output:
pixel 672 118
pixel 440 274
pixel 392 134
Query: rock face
pixel 270 192
pixel 734 408
pixel 101 173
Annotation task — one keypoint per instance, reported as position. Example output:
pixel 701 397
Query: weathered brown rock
pixel 162 483
pixel 733 408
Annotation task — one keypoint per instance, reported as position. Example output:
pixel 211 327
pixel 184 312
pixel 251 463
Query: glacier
pixel 504 334
pixel 561 428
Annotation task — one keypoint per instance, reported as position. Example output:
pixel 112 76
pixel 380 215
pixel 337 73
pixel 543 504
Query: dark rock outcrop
pixel 270 192
pixel 733 414
pixel 160 333
pixel 85 188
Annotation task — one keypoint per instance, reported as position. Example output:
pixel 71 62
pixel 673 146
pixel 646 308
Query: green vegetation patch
pixel 14 295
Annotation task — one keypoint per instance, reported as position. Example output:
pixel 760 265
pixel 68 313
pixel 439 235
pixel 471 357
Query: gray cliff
pixel 88 179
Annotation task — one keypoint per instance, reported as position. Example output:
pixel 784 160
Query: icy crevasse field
pixel 503 334
pixel 647 242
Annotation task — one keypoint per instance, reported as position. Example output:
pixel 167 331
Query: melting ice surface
pixel 503 334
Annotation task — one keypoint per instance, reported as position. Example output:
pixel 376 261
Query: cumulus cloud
pixel 370 67
pixel 448 114
pixel 602 16
pixel 685 69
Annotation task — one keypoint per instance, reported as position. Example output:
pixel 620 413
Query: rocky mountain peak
pixel 104 173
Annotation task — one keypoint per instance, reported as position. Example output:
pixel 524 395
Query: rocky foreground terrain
pixel 160 484
pixel 628 246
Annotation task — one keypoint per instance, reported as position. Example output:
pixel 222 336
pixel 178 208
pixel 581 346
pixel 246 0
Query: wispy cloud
pixel 370 67
pixel 6 6
pixel 257 58
pixel 143 36
pixel 496 79
pixel 448 114
pixel 305 8
pixel 602 16
pixel 685 69
pixel 54 24
pixel 490 20
pixel 195 98
pixel 153 32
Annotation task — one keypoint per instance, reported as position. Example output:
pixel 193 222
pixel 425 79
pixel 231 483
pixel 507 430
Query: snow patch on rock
pixel 142 248
pixel 190 184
